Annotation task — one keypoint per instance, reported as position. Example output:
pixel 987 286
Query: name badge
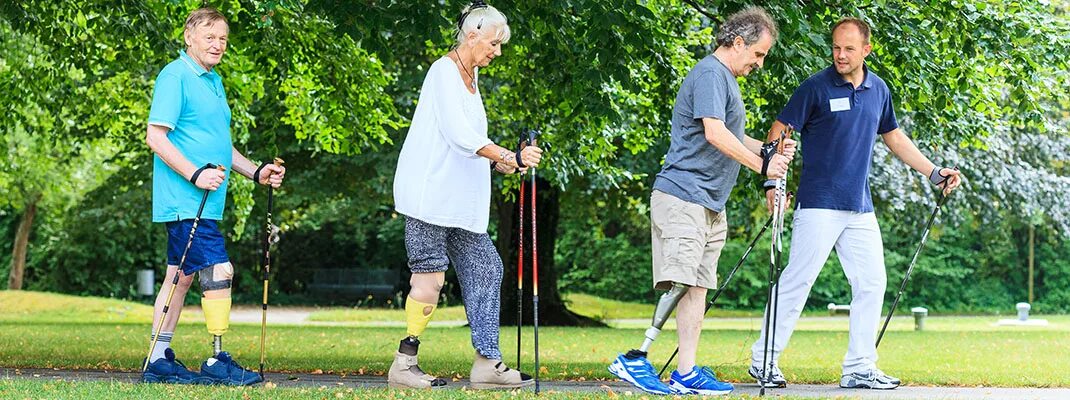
pixel 840 104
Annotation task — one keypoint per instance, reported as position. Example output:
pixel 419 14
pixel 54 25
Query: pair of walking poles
pixel 271 238
pixel 529 141
pixel 776 250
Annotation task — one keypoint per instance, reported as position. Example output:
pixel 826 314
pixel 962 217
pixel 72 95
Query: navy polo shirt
pixel 838 124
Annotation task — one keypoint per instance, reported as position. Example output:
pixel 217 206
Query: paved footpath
pixel 369 381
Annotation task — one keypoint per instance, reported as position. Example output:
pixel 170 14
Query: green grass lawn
pixel 936 358
pixel 26 306
pixel 19 389
pixel 583 304
pixel 105 334
pixel 586 305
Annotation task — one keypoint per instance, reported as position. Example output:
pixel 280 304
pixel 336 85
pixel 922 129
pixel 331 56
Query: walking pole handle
pixel 533 136
pixel 204 200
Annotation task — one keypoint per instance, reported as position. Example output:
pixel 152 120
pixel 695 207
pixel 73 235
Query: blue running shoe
pixel 701 381
pixel 635 369
pixel 223 370
pixel 170 370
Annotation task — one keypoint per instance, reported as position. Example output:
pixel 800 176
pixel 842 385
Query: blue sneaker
pixel 170 370
pixel 223 370
pixel 701 381
pixel 635 369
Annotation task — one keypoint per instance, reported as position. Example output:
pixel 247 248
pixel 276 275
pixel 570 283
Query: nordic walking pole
pixel 775 251
pixel 520 268
pixel 534 264
pixel 181 263
pixel 717 294
pixel 265 269
pixel 913 261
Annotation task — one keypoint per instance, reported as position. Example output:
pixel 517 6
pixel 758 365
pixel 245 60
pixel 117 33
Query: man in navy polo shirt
pixel 840 111
pixel 189 128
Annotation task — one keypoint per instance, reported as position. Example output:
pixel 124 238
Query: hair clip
pixel 476 4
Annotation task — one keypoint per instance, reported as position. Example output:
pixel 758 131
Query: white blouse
pixel 440 179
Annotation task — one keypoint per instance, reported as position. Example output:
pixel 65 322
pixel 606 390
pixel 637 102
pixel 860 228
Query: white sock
pixel 162 345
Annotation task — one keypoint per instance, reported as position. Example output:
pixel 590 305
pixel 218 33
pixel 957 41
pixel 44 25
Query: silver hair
pixel 748 24
pixel 483 20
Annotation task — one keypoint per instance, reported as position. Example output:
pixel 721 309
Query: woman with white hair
pixel 442 186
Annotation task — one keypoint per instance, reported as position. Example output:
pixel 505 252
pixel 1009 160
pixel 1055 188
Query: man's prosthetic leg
pixel 405 371
pixel 215 285
pixel 666 304
pixel 221 367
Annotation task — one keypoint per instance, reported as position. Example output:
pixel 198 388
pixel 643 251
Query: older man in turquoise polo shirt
pixel 188 129
pixel 840 111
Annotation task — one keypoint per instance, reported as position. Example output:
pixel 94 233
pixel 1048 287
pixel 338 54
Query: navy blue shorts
pixel 206 250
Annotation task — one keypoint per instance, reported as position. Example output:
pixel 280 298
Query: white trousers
pixel 857 240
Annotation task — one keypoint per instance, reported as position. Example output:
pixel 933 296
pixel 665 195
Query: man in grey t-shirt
pixel 687 218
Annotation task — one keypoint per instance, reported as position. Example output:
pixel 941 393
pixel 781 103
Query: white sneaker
pixel 775 381
pixel 872 379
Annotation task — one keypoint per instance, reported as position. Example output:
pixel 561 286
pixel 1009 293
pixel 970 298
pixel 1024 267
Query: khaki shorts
pixel 687 240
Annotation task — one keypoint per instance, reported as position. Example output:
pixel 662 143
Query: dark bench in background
pixel 352 283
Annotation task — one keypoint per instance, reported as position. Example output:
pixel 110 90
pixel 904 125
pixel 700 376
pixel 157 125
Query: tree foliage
pixel 329 85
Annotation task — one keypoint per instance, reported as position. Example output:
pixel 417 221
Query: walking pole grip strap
pixel 256 175
pixel 767 152
pixel 519 148
pixel 197 173
pixel 936 177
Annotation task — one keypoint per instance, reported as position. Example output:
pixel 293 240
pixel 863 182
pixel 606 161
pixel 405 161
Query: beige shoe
pixel 493 374
pixel 406 374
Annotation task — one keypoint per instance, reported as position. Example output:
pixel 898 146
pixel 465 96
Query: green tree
pixel 79 75
pixel 328 84
pixel 40 170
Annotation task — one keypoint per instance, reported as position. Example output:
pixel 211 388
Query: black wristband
pixel 197 173
pixel 766 153
pixel 256 175
pixel 519 162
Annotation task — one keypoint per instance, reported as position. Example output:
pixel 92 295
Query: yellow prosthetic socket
pixel 216 315
pixel 417 315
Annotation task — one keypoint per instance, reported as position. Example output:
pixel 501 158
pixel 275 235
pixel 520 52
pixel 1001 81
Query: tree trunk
pixel 552 310
pixel 22 241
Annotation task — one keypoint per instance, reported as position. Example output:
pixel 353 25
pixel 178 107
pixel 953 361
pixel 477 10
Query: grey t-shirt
pixel 694 170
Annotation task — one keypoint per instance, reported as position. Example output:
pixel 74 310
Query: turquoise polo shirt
pixel 191 102
pixel 838 125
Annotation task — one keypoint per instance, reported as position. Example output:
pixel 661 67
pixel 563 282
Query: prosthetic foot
pixel 405 373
